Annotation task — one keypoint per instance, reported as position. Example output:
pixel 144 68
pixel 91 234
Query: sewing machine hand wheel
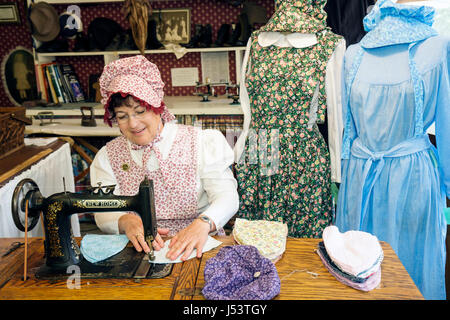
pixel 25 190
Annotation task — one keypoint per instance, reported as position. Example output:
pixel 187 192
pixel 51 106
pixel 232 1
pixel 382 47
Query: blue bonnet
pixel 389 23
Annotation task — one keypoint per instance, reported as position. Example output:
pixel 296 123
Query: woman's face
pixel 136 123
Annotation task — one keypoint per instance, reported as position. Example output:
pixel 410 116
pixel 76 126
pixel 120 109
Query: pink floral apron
pixel 174 182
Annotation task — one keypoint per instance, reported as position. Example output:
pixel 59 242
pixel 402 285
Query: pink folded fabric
pixel 366 285
pixel 355 252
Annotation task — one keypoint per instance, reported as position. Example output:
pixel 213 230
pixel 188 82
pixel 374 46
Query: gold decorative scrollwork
pixel 53 229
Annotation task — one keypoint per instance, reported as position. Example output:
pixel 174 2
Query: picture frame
pixel 173 25
pixel 9 13
pixel 18 76
pixel 94 88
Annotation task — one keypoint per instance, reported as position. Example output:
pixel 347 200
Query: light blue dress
pixel 394 182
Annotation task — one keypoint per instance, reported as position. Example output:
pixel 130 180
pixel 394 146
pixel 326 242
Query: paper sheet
pixel 184 76
pixel 160 256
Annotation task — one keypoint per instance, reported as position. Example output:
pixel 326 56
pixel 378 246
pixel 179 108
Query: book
pixel 41 82
pixel 68 95
pixel 75 86
pixel 61 87
pixel 50 84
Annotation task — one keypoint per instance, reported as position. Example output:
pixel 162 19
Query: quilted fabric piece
pixel 95 247
pixel 358 253
pixel 269 237
pixel 363 284
pixel 240 273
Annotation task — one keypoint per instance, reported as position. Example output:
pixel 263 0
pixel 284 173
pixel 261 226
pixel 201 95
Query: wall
pixel 214 12
pixel 12 36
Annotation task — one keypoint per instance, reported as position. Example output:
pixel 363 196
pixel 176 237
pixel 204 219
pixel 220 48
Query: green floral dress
pixel 284 172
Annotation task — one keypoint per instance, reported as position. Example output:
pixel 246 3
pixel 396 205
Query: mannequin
pixel 394 181
pixel 291 74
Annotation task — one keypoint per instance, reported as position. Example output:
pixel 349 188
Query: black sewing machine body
pixel 61 249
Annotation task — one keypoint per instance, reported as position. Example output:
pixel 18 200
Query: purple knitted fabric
pixel 240 272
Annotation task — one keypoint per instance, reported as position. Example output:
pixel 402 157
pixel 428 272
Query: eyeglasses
pixel 139 114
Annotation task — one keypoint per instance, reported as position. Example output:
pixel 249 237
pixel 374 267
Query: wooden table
pixel 302 275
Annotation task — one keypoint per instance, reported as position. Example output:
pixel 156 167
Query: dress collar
pixel 296 40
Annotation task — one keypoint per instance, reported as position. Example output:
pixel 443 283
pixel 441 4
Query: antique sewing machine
pixel 62 250
pixel 206 90
pixel 233 95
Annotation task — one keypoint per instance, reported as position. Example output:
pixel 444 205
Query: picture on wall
pixel 18 75
pixel 172 25
pixel 94 88
pixel 9 13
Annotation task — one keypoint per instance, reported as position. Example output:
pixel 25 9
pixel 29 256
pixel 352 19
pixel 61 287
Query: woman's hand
pixel 132 226
pixel 192 237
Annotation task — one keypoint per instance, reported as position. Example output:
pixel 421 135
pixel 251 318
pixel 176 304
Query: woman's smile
pixel 137 124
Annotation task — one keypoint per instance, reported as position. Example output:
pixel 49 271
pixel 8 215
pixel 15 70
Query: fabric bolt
pixel 394 181
pixel 269 237
pixel 96 247
pixel 355 252
pixel 363 284
pixel 284 169
pixel 240 272
pixel 213 187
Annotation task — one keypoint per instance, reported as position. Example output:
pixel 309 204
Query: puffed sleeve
pixel 101 171
pixel 215 161
pixel 333 89
pixel 443 120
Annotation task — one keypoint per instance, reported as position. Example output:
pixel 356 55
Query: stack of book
pixel 59 84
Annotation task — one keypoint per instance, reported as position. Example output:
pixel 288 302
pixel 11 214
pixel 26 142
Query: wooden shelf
pixel 103 53
pixel 177 105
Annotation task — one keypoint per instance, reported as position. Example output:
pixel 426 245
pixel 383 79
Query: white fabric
pixel 332 86
pixel 297 40
pixel 355 252
pixel 216 186
pixel 160 255
pixel 48 174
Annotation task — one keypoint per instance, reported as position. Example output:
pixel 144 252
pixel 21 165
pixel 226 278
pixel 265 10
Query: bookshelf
pixel 179 105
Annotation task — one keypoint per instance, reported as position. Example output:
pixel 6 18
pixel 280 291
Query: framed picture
pixel 94 88
pixel 173 25
pixel 9 13
pixel 18 75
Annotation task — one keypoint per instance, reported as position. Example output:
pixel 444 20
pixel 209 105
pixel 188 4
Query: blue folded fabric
pixel 95 247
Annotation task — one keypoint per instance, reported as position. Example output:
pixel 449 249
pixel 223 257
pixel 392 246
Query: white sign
pixel 184 77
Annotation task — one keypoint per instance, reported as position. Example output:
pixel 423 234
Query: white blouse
pixel 332 86
pixel 216 186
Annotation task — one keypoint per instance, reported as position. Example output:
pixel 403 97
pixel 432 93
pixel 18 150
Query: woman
pixel 195 191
